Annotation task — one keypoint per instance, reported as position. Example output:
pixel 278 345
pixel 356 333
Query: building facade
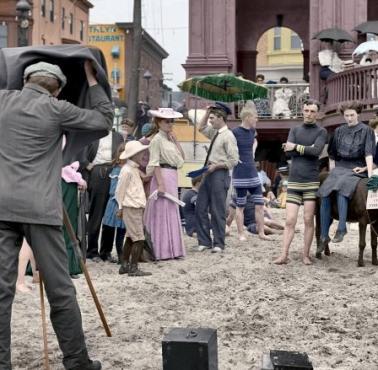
pixel 223 34
pixel 52 22
pixel 279 54
pixel 116 43
pixel 224 37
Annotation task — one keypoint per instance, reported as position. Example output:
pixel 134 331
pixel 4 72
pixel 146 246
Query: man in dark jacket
pixel 32 122
pixel 98 164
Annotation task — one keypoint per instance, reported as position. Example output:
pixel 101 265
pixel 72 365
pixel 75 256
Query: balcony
pixel 358 83
pixel 278 112
pixel 283 101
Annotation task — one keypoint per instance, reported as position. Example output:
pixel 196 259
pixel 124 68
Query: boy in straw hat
pixel 131 200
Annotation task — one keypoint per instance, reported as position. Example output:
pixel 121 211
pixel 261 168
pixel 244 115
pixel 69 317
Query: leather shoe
pixel 202 248
pixel 217 250
pixel 110 259
pixel 91 365
pixel 322 244
pixel 94 259
pixel 339 236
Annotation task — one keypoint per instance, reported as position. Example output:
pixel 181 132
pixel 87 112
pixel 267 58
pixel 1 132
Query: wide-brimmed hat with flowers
pixel 131 148
pixel 166 113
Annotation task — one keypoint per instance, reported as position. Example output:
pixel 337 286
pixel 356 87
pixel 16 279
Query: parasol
pixel 367 27
pixel 366 47
pixel 333 34
pixel 223 87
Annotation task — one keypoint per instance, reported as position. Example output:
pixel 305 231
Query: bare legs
pixel 288 235
pixel 239 216
pixel 309 211
pixel 291 220
pixel 24 257
pixel 259 215
pixel 230 219
pixel 273 224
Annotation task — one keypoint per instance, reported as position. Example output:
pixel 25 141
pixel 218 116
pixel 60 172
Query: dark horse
pixel 356 213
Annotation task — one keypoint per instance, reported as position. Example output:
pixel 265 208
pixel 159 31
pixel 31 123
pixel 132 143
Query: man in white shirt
pixel 98 163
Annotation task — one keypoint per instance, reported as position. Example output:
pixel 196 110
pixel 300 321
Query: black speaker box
pixel 190 349
pixel 287 360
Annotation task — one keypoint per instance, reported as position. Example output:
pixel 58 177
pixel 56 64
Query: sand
pixel 328 310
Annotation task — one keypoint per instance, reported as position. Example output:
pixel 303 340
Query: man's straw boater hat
pixel 131 148
pixel 165 113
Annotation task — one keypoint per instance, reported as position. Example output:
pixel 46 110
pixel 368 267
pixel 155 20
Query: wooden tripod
pixel 78 253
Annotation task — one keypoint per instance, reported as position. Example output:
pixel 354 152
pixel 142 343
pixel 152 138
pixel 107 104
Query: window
pixel 116 51
pixel 3 36
pixel 43 8
pixel 296 42
pixel 52 10
pixel 81 30
pixel 116 74
pixel 63 17
pixel 71 23
pixel 277 38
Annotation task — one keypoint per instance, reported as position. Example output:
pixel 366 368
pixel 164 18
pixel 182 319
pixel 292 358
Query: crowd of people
pixel 132 187
pixel 283 102
pixel 208 212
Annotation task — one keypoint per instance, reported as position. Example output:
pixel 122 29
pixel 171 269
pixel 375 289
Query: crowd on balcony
pixel 284 100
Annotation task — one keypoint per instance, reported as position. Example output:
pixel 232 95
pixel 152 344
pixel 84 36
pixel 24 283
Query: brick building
pixel 116 43
pixel 51 22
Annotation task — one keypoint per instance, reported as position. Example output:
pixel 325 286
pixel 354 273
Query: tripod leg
pixel 44 326
pixel 71 233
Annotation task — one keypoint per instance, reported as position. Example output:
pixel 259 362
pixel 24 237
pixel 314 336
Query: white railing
pixel 284 101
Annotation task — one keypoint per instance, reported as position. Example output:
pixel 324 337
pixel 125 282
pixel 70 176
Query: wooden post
pixel 75 245
pixel 133 88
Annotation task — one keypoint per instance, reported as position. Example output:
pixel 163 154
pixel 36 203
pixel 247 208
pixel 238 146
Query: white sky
pixel 165 20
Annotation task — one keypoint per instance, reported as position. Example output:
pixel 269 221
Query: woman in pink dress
pixel 162 217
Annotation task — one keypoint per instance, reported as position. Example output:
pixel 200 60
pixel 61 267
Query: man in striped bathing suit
pixel 304 145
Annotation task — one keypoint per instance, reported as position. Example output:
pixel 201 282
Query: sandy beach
pixel 328 310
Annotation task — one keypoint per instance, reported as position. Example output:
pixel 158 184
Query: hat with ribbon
pixel 131 148
pixel 165 113
pixel 46 70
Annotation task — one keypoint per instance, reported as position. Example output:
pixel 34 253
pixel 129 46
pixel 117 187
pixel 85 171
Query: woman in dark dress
pixel 244 177
pixel 351 153
pixel 373 123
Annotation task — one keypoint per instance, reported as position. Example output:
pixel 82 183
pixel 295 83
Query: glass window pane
pixel 277 43
pixel 296 42
pixel 3 36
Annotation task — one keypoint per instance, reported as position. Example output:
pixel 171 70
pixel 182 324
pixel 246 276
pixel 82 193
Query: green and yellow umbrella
pixel 223 87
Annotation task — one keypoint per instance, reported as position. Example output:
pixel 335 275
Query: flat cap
pixel 46 70
pixel 222 107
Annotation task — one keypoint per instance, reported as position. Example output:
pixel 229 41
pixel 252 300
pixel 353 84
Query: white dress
pixel 281 104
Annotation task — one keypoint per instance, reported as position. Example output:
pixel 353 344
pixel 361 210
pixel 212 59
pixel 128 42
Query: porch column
pixel 211 37
pixel 344 14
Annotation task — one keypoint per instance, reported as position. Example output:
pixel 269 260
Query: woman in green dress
pixel 72 182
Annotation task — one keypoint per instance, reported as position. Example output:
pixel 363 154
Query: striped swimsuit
pixel 303 180
pixel 244 177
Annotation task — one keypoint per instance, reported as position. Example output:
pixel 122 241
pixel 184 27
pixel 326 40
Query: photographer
pixel 32 122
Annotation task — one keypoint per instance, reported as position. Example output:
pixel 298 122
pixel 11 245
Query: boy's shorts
pixel 133 219
pixel 298 193
pixel 252 228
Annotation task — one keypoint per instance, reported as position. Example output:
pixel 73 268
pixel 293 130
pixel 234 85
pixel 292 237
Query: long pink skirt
pixel 162 219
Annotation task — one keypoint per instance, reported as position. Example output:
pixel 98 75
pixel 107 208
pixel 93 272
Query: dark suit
pixel 98 190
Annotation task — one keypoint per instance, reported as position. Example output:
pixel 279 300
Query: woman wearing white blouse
pixel 162 217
